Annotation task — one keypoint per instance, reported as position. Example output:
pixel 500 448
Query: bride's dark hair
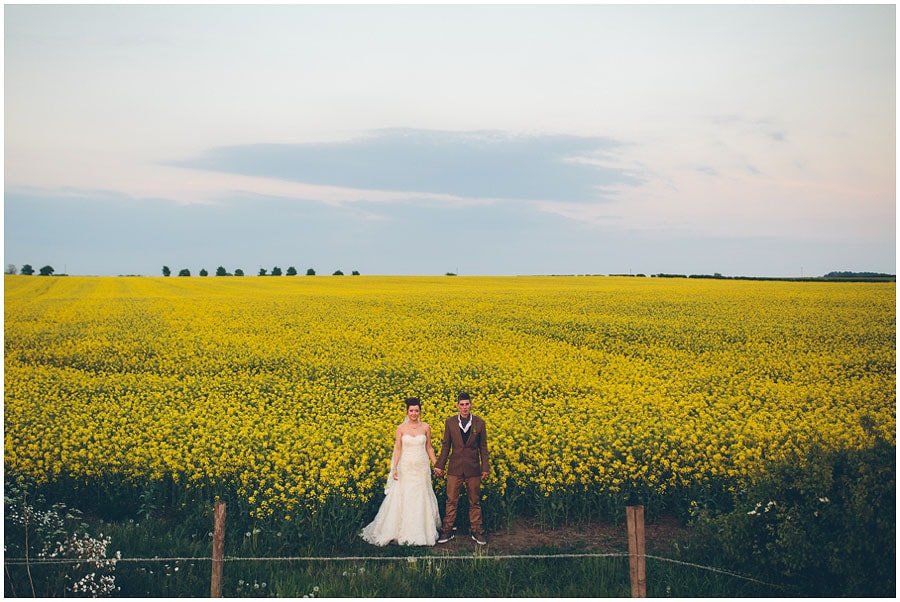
pixel 413 401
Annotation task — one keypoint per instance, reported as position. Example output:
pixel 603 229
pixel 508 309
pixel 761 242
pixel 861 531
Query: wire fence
pixel 408 559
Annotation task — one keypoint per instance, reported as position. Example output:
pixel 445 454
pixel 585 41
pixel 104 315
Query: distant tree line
pixel 858 275
pixel 47 270
pixel 27 270
pixel 829 277
pixel 276 271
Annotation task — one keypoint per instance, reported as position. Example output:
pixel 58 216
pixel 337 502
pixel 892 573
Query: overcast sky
pixel 424 139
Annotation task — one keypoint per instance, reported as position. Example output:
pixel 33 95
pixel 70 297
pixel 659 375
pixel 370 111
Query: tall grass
pixel 167 554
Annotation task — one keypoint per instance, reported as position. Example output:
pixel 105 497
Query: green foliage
pixel 169 526
pixel 310 272
pixel 203 272
pixel 338 273
pixel 822 524
pixel 221 271
pixel 292 271
pixel 276 271
pixel 166 271
pixel 239 272
pixel 60 556
pixel 184 272
pixel 27 270
pixel 47 270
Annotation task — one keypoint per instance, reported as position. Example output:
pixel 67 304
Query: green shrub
pixel 822 524
pixel 48 551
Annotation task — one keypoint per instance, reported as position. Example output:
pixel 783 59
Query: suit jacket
pixel 468 459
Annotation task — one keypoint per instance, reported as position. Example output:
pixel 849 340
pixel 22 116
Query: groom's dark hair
pixel 462 396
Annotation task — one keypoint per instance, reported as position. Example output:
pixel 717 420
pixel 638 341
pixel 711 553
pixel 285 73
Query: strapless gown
pixel 409 513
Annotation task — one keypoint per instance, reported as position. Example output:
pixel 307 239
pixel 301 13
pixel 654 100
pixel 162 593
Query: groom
pixel 465 441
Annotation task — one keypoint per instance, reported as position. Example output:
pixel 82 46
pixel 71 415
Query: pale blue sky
pixel 421 139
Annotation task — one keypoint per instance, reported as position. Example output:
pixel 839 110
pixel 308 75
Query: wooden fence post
pixel 636 551
pixel 218 554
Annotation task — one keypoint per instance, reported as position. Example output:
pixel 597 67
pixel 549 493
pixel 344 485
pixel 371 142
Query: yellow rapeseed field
pixel 289 388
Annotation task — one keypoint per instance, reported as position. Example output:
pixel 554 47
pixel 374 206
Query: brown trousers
pixel 473 491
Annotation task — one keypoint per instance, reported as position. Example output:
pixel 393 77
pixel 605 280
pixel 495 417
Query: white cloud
pixel 731 120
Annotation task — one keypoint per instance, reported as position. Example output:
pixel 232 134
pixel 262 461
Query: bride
pixel 409 513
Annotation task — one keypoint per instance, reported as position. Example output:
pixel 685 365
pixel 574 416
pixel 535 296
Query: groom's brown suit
pixel 468 462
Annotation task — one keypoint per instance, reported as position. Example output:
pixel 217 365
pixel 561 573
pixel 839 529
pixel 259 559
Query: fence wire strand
pixel 409 559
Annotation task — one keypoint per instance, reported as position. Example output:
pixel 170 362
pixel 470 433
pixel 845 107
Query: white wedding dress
pixel 409 513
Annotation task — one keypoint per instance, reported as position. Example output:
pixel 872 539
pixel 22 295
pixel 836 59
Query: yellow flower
pixel 289 394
